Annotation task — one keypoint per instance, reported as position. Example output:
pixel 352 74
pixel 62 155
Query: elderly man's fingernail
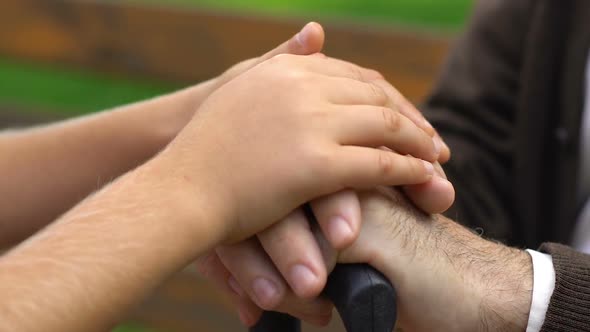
pixel 245 317
pixel 233 284
pixel 266 292
pixel 303 36
pixel 302 278
pixel 339 229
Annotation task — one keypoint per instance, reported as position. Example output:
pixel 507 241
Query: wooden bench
pixel 187 46
pixel 190 46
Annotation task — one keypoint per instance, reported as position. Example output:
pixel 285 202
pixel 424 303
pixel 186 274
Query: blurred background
pixel 62 58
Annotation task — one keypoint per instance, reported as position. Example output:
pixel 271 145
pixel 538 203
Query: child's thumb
pixel 309 40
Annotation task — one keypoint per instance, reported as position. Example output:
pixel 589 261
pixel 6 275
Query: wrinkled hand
pixel 447 278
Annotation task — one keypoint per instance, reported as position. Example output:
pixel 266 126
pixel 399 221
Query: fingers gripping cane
pixel 363 297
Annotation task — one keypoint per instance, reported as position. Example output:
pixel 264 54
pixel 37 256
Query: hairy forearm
pixel 46 170
pixel 88 268
pixel 502 275
pixel 445 274
pixel 495 280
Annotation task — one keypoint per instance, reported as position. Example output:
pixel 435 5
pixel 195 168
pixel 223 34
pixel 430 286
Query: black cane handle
pixel 364 298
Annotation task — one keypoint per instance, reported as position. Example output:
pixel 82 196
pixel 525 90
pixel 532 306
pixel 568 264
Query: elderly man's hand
pixel 447 278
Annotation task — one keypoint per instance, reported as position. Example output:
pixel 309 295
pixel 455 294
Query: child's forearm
pixel 91 266
pixel 46 170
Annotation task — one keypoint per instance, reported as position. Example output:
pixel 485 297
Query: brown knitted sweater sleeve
pixel 569 309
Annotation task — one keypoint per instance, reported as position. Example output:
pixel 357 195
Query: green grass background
pixel 430 13
pixel 67 91
pixel 73 92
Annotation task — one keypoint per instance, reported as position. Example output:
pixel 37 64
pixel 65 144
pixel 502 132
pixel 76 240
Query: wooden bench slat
pixel 189 46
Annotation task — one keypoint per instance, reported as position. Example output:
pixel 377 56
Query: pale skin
pixel 65 162
pixel 447 278
pixel 53 167
pixel 92 151
pixel 213 185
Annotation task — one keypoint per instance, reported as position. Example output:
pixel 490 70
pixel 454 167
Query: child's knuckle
pixel 414 168
pixel 391 119
pixel 355 72
pixel 385 163
pixel 378 94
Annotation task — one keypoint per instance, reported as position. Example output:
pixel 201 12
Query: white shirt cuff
pixel 543 286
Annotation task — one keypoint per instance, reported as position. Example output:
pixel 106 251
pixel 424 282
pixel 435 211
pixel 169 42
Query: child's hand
pixel 291 129
pixel 434 196
pixel 173 111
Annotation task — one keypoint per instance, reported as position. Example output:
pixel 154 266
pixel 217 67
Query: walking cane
pixel 363 297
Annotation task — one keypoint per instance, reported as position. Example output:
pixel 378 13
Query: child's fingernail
pixel 233 284
pixel 303 36
pixel 339 229
pixel 302 278
pixel 266 292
